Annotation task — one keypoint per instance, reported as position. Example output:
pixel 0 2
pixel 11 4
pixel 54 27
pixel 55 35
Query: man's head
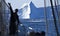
pixel 16 10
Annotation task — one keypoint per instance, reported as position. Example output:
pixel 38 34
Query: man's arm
pixel 18 21
pixel 10 8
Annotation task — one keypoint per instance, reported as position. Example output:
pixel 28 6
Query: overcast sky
pixel 19 3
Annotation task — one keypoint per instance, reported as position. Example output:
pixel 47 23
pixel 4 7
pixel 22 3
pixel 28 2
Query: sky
pixel 18 3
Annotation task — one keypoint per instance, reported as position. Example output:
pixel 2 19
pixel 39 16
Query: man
pixel 13 19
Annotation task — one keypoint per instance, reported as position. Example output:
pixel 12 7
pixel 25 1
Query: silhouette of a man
pixel 13 19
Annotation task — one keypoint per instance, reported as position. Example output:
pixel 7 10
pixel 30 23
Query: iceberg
pixel 25 11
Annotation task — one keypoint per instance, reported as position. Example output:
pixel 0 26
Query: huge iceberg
pixel 24 12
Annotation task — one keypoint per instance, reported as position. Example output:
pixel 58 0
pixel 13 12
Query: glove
pixel 9 4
